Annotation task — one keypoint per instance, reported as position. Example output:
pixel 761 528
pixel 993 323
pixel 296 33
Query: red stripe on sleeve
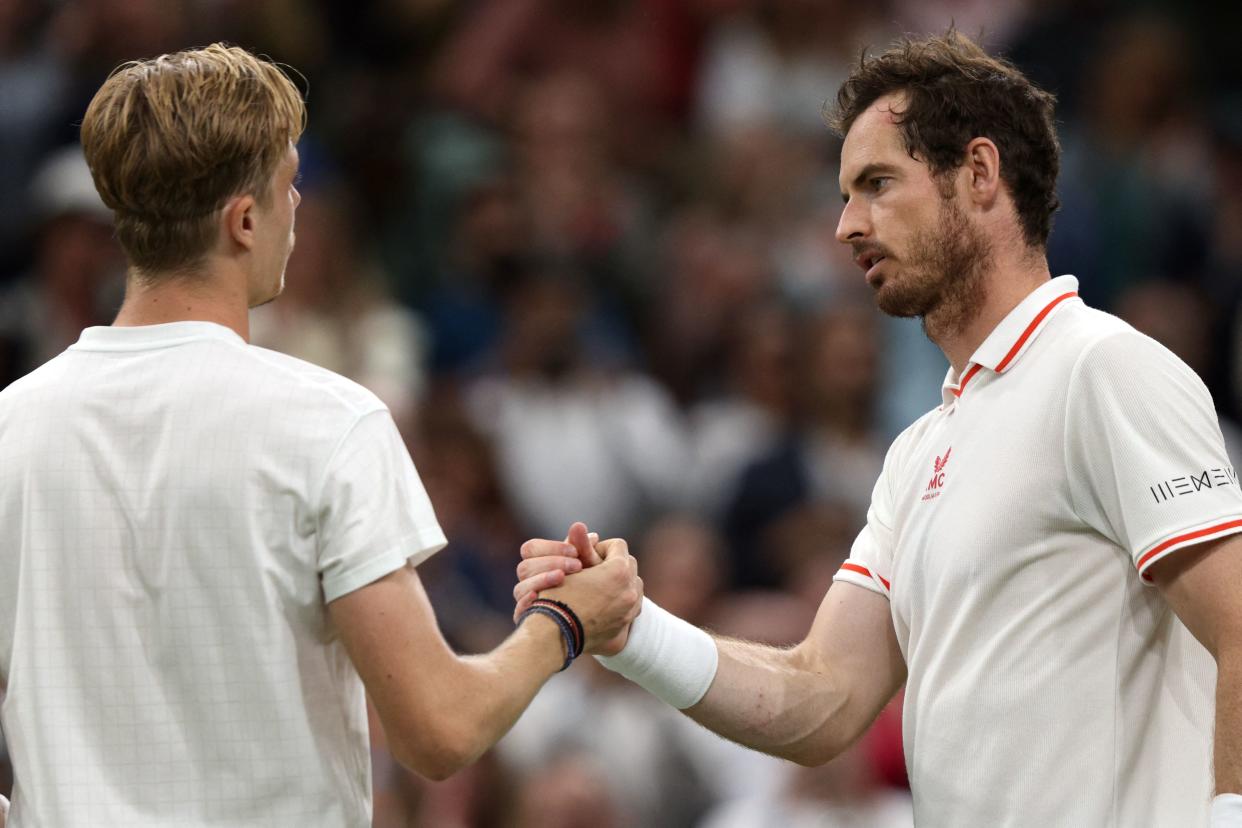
pixel 1189 536
pixel 862 570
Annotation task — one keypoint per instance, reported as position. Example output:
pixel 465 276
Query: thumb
pixel 581 540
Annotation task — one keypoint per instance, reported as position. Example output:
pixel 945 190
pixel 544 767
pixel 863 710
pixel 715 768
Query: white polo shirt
pixel 176 510
pixel 1010 528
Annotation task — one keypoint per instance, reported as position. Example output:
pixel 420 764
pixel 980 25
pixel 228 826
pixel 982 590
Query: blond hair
pixel 171 139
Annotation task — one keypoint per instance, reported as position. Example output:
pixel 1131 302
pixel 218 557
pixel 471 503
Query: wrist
pixel 668 657
pixel 550 644
pixel 1227 811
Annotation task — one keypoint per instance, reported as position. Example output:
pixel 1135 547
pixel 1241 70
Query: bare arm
pixel 1202 585
pixel 807 703
pixel 441 711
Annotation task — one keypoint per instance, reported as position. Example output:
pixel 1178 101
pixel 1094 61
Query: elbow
pixel 436 754
pixel 813 754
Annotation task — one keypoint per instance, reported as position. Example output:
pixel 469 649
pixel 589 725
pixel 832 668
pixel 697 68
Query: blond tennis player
pixel 207 549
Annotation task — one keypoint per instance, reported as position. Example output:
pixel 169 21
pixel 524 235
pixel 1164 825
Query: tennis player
pixel 1051 562
pixel 204 544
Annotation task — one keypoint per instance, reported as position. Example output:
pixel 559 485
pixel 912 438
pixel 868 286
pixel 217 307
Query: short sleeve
pixel 871 557
pixel 374 514
pixel 1144 452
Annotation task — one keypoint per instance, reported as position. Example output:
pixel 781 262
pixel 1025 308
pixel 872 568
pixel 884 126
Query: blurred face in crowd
pixel 274 235
pixel 920 251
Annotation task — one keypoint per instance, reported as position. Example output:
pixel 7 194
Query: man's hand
pixel 545 564
pixel 610 583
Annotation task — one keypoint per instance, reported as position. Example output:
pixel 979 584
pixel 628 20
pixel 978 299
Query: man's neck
pixel 208 298
pixel 1007 284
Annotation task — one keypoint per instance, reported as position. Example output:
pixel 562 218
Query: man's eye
pixel 880 181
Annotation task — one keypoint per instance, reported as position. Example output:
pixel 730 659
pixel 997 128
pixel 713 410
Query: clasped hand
pixel 604 590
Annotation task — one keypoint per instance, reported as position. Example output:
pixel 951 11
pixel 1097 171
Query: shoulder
pixel 309 384
pixel 1107 352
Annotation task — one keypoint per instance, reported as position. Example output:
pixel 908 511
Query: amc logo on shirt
pixel 937 480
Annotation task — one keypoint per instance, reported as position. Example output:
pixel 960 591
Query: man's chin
pixel 893 301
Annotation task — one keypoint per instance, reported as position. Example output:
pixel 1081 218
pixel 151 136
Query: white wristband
pixel 670 658
pixel 1227 811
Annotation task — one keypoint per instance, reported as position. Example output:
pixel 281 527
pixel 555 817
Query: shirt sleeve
pixel 1144 452
pixel 374 514
pixel 871 557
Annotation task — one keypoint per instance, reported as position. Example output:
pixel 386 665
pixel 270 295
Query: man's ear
pixel 239 221
pixel 983 165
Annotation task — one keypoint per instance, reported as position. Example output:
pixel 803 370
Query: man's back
pixel 176 509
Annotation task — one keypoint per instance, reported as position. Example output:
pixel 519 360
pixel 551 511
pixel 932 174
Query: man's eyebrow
pixel 867 172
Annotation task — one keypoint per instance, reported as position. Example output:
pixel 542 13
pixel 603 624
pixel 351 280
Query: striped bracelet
pixel 571 650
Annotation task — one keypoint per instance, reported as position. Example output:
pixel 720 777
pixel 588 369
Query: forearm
pixel 1227 744
pixel 806 704
pixel 779 702
pixel 487 693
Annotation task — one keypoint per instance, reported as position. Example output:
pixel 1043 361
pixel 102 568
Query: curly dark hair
pixel 955 92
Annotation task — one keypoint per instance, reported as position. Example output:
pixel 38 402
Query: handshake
pixel 590 587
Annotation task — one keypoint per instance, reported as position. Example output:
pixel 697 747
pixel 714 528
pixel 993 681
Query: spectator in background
pixel 735 427
pixel 470 585
pixel 34 78
pixel 572 435
pixel 640 54
pixel 78 273
pixel 716 274
pixel 775 62
pixel 1133 193
pixel 571 791
pixel 832 452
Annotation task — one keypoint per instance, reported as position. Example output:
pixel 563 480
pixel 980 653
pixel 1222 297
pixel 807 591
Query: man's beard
pixel 945 283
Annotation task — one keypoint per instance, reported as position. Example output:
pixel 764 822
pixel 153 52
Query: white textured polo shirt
pixel 176 510
pixel 1010 530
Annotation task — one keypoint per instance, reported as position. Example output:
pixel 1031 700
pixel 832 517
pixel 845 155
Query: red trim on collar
pixel 1017 346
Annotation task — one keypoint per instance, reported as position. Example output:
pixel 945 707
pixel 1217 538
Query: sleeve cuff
pixel 1181 539
pixel 859 575
pixel 425 545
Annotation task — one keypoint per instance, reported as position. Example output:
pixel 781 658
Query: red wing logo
pixel 937 481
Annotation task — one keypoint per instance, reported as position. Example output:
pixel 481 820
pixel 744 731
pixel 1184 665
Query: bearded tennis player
pixel 207 549
pixel 1051 562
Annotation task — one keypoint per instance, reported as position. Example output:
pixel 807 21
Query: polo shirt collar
pixel 149 337
pixel 1010 339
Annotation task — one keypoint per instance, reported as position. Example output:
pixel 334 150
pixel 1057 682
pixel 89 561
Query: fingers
pixel 613 548
pixel 523 604
pixel 534 566
pixel 540 548
pixel 538 583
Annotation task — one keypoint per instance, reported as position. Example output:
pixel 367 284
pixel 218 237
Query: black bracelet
pixel 579 630
pixel 566 632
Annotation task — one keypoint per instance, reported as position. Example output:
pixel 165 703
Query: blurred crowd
pixel 584 249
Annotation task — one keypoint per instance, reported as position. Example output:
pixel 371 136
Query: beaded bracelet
pixel 571 616
pixel 571 650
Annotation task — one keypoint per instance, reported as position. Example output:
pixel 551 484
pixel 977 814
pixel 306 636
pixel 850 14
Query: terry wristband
pixel 1227 811
pixel 673 660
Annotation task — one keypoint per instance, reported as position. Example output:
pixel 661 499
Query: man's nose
pixel 854 223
